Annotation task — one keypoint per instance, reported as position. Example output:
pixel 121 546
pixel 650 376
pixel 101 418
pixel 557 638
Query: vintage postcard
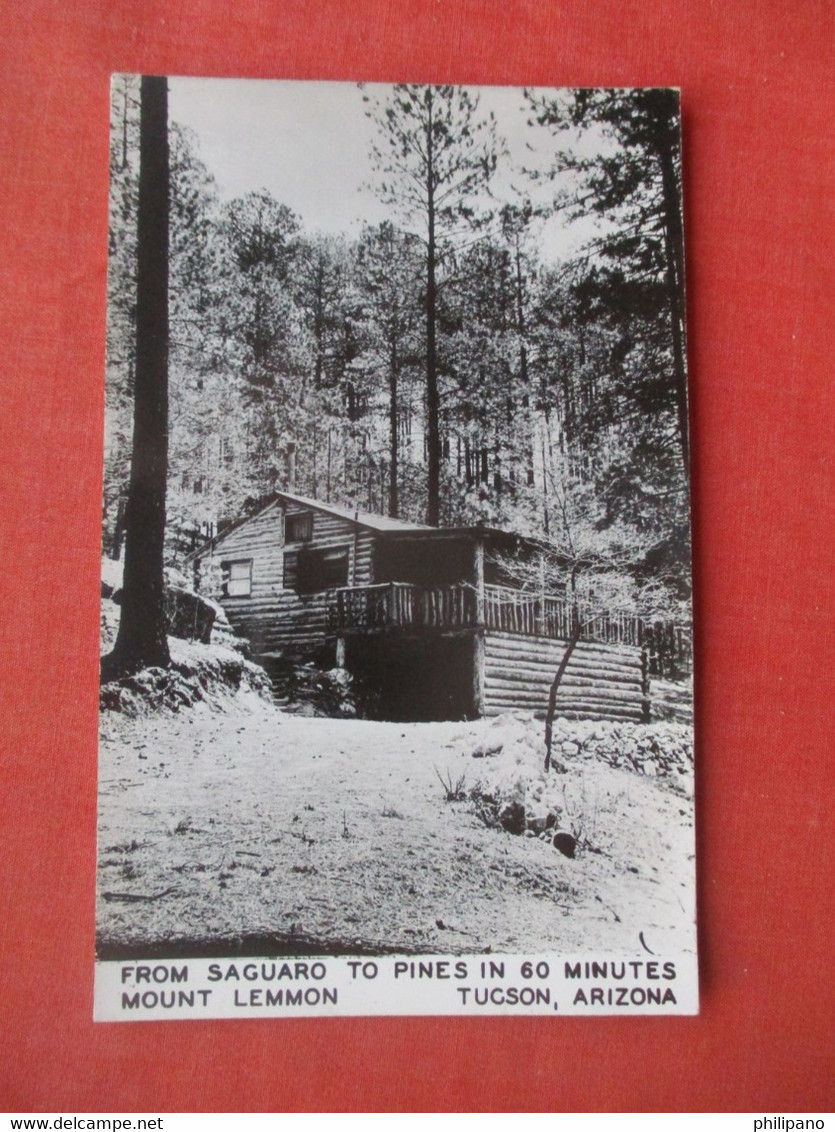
pixel 396 699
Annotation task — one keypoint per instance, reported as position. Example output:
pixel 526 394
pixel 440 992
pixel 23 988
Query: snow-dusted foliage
pixel 547 393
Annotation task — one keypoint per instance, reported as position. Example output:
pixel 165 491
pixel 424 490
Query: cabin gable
pixel 271 550
pixel 272 573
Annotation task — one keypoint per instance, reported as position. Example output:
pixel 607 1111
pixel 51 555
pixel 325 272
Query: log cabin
pixel 424 618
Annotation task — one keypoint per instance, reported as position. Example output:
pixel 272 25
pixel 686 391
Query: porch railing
pixel 668 644
pixel 503 609
pixel 401 605
pixel 519 611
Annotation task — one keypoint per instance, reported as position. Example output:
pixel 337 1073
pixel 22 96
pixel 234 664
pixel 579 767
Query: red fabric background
pixel 757 91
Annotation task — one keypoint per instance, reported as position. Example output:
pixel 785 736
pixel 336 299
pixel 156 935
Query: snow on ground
pixel 248 827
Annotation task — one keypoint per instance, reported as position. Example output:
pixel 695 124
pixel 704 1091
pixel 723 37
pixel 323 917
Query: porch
pixel 401 605
pixel 465 608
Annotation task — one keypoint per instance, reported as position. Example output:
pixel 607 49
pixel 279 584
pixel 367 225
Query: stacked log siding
pixel 273 617
pixel 516 636
pixel 602 681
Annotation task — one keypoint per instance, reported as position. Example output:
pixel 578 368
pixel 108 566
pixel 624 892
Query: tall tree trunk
pixel 319 325
pixel 394 502
pixel 674 248
pixel 328 472
pixel 141 641
pixel 433 437
pixel 523 367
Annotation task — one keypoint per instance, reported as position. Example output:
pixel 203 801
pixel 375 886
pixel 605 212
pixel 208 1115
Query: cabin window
pixel 310 571
pixel 237 578
pixel 298 527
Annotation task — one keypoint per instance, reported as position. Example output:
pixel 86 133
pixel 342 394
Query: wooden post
pixel 478 673
pixel 478 579
pixel 340 652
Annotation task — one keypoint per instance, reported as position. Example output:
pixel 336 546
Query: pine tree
pixel 434 157
pixel 142 641
pixel 388 271
pixel 258 323
pixel 613 323
pixel 635 184
pixel 121 306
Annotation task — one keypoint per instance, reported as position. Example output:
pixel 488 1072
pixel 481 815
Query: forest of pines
pixel 435 367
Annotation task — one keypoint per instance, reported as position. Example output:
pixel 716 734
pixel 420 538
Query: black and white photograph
pixel 396 710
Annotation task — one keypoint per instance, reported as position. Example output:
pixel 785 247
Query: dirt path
pixel 251 825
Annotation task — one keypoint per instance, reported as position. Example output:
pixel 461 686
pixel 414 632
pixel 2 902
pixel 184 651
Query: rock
pixel 512 818
pixel 570 749
pixel 565 843
pixel 314 692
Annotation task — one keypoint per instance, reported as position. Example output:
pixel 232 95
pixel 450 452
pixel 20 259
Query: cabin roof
pixel 353 515
pixel 381 524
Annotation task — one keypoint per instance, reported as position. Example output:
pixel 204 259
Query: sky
pixel 308 144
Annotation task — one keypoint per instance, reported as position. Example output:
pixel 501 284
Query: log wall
pixel 273 617
pixel 602 681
